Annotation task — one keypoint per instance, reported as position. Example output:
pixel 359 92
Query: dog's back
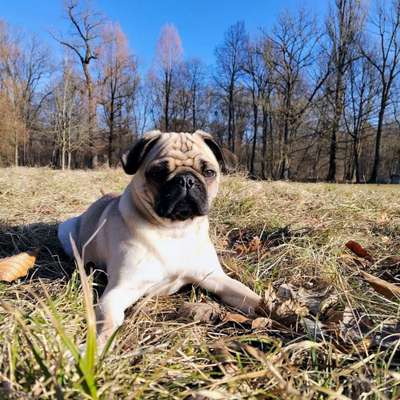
pixel 81 228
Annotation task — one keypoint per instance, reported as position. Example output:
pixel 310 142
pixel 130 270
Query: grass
pixel 301 231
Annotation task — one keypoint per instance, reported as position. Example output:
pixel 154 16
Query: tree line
pixel 304 99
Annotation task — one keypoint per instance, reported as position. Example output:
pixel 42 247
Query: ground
pixel 273 236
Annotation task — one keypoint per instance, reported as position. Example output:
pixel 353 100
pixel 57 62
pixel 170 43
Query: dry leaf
pixel 202 312
pixel 334 316
pixel 227 362
pixel 269 301
pixel 14 267
pixel 235 317
pixel 240 249
pixel 286 291
pixel 261 322
pixel 221 352
pixel 313 327
pixel 290 308
pixel 387 289
pixel 358 250
pixel 254 352
pixel 246 247
pixel 255 244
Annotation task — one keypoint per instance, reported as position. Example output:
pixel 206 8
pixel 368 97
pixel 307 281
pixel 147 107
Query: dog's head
pixel 176 175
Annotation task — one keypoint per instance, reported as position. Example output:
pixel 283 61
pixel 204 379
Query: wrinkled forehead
pixel 183 149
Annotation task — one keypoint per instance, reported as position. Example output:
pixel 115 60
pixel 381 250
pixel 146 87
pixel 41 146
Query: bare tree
pixel 343 27
pixel 359 108
pixel 384 56
pixel 167 63
pixel 83 42
pixel 119 82
pixel 296 102
pixel 23 68
pixel 259 82
pixel 230 59
pixel 196 75
pixel 294 39
pixel 142 106
pixel 64 95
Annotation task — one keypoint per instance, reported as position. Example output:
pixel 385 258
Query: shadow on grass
pixel 51 263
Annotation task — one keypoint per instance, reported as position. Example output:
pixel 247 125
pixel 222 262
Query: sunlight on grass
pixel 47 317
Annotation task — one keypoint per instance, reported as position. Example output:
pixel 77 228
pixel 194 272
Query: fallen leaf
pixel 289 310
pixel 254 352
pixel 313 327
pixel 240 249
pixel 261 322
pixel 202 312
pixel 286 291
pixel 221 352
pixel 387 289
pixel 255 244
pixel 334 316
pixel 281 309
pixel 358 250
pixel 14 267
pixel 303 345
pixel 235 317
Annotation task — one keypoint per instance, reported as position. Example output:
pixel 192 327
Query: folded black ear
pixel 231 160
pixel 215 148
pixel 133 158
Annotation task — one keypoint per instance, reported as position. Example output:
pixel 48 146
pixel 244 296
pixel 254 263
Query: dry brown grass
pixel 302 230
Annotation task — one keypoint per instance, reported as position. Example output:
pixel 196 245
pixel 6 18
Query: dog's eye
pixel 209 173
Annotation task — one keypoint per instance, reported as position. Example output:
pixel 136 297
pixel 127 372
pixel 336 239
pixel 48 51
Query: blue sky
pixel 201 23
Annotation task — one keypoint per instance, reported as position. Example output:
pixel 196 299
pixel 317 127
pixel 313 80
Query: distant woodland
pixel 310 99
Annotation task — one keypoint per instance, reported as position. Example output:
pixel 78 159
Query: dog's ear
pixel 215 148
pixel 231 160
pixel 133 158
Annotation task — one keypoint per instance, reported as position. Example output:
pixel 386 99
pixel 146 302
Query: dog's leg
pixel 110 310
pixel 231 292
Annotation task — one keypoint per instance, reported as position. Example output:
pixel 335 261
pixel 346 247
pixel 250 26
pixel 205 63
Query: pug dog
pixel 154 237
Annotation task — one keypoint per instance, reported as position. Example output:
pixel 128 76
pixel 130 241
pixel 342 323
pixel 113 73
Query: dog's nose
pixel 186 180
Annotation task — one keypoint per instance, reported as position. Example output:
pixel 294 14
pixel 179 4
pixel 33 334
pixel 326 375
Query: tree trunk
pixel 264 143
pixel 356 160
pixel 255 127
pixel 331 177
pixel 63 140
pixel 91 115
pixel 347 162
pixel 111 132
pixel 194 122
pixel 231 142
pixel 316 163
pixel 284 174
pixel 375 168
pixel 271 148
pixel 16 161
pixel 167 100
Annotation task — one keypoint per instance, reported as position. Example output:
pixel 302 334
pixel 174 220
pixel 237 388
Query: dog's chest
pixel 181 254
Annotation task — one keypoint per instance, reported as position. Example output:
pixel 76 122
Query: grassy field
pixel 276 237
